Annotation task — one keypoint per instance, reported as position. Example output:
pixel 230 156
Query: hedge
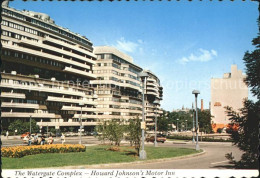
pixel 20 151
pixel 207 139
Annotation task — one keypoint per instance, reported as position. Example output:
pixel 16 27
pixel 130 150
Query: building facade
pixel 117 85
pixel 119 89
pixel 45 71
pixel 231 90
pixel 57 77
pixel 153 92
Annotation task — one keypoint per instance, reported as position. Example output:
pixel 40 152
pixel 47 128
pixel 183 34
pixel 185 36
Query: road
pixel 214 158
pixel 15 141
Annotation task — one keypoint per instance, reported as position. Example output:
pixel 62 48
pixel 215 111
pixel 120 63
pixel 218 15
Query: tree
pixel 246 137
pixel 134 132
pixel 204 119
pixel 162 123
pixel 112 130
pixel 23 127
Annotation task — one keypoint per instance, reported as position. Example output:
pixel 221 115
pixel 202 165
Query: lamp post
pixel 196 92
pixel 143 75
pixel 186 125
pixel 156 102
pixel 177 126
pixel 193 140
pixel 30 124
pixel 81 104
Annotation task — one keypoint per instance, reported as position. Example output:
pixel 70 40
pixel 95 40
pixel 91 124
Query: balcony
pixel 70 100
pixel 152 88
pixel 151 79
pixel 45 46
pixel 41 88
pixel 13 95
pixel 68 46
pixel 74 108
pixel 66 124
pixel 151 84
pixel 86 116
pixel 20 105
pixel 151 93
pixel 27 115
pixel 76 71
pixel 46 55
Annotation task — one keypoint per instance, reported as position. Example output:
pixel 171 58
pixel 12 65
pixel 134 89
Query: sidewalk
pixel 16 137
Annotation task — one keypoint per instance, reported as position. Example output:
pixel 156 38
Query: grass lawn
pixel 93 155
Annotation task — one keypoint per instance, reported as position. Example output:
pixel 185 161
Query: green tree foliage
pixel 204 119
pixel 252 62
pixel 23 127
pixel 134 133
pixel 246 137
pixel 112 130
pixel 162 123
pixel 182 116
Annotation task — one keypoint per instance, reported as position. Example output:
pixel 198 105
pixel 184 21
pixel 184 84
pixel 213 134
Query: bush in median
pixel 206 139
pixel 20 151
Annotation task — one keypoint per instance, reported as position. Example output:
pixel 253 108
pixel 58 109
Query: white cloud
pixel 126 46
pixel 202 56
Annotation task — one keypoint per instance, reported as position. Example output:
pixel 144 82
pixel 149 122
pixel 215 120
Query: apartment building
pixel 119 89
pixel 154 92
pixel 231 90
pixel 45 71
pixel 117 84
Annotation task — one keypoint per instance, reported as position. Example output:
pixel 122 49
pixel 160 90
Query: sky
pixel 184 43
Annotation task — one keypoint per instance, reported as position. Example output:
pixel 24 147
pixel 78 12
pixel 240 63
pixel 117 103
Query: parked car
pixel 24 134
pixel 160 138
pixel 70 134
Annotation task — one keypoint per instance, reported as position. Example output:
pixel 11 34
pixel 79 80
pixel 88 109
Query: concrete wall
pixel 230 90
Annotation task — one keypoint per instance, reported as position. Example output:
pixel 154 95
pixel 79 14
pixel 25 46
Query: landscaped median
pixel 101 154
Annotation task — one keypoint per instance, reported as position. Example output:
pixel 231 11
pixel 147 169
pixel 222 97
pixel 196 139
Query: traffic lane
pixel 57 140
pixel 214 158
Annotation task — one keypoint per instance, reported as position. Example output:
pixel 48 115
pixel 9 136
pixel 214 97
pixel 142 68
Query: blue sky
pixel 184 43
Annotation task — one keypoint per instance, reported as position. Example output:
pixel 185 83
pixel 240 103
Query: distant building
pixel 231 90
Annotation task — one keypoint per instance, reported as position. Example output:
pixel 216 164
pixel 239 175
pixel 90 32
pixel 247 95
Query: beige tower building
pixel 117 85
pixel 119 88
pixel 231 90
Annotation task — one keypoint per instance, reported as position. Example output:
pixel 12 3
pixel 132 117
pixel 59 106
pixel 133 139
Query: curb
pixel 100 166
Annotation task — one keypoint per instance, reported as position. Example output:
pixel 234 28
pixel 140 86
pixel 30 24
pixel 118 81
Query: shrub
pixel 113 148
pixel 207 139
pixel 219 130
pixel 20 151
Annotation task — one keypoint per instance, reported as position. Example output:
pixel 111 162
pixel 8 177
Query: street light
pixel 143 75
pixel 193 141
pixel 30 124
pixel 196 92
pixel 156 102
pixel 177 126
pixel 81 104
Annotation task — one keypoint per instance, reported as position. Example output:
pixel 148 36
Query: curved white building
pixel 46 70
